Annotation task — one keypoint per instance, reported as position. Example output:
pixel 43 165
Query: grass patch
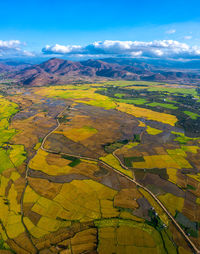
pixel 173 90
pixel 163 105
pixel 170 101
pixel 181 138
pixel 192 115
pixel 138 101
pixel 119 95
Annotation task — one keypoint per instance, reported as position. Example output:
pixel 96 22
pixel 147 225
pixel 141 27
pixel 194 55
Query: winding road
pixel 192 245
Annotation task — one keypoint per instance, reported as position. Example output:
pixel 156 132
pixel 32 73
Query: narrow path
pixel 192 245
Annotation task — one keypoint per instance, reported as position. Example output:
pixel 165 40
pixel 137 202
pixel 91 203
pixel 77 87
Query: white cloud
pixel 60 49
pixel 171 31
pixel 13 48
pixel 27 53
pixel 157 49
pixel 136 53
pixel 188 37
pixel 9 44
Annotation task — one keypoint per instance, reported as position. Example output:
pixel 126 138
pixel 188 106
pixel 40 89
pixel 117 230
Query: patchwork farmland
pixel 108 167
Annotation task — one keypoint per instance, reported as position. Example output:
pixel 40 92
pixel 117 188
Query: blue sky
pixel 36 24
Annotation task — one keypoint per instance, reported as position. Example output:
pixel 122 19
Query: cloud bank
pixel 13 48
pixel 153 49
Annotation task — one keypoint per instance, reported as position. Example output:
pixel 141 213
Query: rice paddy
pixel 147 113
pixel 153 131
pixel 71 198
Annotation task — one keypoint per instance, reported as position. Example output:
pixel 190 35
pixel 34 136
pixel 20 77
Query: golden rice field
pixel 172 173
pixel 147 113
pixel 78 134
pixel 96 208
pixel 93 201
pixel 39 162
pixel 91 98
pixel 153 131
pixel 7 109
pixel 10 215
pixel 191 149
pixel 172 203
pixel 162 161
pixel 55 165
pixel 10 155
pixel 117 236
pixel 78 94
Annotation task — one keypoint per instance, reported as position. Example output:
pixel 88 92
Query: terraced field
pixel 110 167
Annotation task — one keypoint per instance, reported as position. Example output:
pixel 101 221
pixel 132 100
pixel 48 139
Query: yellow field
pixel 112 161
pixel 198 201
pixel 191 149
pixel 163 161
pixel 196 176
pixel 126 236
pixel 147 113
pixel 37 146
pixel 172 175
pixel 179 152
pixel 141 124
pixel 17 154
pixel 152 131
pixel 7 109
pixel 93 201
pixel 130 145
pixel 181 161
pixel 39 163
pixel 80 93
pixel 10 208
pixel 30 196
pixel 55 165
pixel 172 203
pixel 156 161
pixel 79 134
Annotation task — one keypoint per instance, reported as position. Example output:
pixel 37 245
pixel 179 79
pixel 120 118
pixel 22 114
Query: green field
pixel 192 115
pixel 163 105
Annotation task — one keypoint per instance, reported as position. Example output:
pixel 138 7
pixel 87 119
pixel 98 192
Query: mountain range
pixel 60 71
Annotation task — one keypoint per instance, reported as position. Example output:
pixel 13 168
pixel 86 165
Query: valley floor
pixel 111 167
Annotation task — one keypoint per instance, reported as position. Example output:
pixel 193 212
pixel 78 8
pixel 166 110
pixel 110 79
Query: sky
pixel 128 28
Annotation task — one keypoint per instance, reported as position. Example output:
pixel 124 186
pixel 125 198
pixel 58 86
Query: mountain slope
pixel 7 66
pixel 60 71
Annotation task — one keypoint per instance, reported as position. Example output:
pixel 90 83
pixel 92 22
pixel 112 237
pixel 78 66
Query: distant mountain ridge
pixel 60 71
pixel 11 66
